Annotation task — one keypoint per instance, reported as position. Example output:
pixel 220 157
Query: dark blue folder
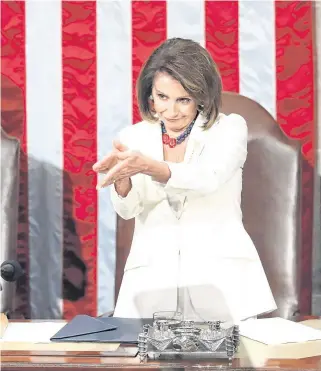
pixel 84 328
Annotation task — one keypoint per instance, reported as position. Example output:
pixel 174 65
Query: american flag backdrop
pixel 68 71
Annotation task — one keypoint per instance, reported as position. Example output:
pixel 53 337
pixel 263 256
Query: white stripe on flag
pixel 114 100
pixel 44 144
pixel 257 52
pixel 186 19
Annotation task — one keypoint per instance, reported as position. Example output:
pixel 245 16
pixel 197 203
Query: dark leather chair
pixel 271 200
pixel 270 203
pixel 10 149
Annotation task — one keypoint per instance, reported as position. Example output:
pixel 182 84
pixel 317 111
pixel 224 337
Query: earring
pixel 200 108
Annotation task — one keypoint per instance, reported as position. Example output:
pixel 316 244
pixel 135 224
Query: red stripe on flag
pixel 295 72
pixel 295 113
pixel 148 32
pixel 222 40
pixel 80 153
pixel 13 121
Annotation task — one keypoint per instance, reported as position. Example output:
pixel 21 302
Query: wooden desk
pixel 93 360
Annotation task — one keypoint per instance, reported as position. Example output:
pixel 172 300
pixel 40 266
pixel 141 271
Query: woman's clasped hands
pixel 120 164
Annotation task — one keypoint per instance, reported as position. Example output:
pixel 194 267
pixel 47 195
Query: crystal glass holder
pixel 170 337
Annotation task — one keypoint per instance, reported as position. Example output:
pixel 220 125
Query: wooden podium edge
pixel 3 324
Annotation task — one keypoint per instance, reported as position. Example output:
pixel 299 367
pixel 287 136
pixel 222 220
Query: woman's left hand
pixel 130 163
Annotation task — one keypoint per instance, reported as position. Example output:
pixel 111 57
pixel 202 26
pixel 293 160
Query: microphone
pixel 11 270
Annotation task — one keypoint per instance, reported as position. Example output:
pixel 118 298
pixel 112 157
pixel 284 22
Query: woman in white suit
pixel 179 174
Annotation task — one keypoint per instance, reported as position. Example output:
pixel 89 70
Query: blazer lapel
pixel 194 149
pixel 195 144
pixel 196 140
pixel 154 140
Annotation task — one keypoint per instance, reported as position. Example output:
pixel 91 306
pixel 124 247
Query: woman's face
pixel 173 105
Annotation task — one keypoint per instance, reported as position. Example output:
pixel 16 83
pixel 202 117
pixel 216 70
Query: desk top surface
pixel 96 361
pixel 252 356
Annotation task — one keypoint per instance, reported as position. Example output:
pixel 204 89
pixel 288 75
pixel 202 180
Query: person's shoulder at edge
pixel 228 126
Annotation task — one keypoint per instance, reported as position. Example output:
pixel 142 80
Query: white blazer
pixel 189 232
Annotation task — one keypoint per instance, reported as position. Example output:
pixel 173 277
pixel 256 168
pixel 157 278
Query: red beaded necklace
pixel 172 142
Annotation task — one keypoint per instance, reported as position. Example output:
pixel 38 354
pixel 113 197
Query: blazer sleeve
pixel 132 205
pixel 224 154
